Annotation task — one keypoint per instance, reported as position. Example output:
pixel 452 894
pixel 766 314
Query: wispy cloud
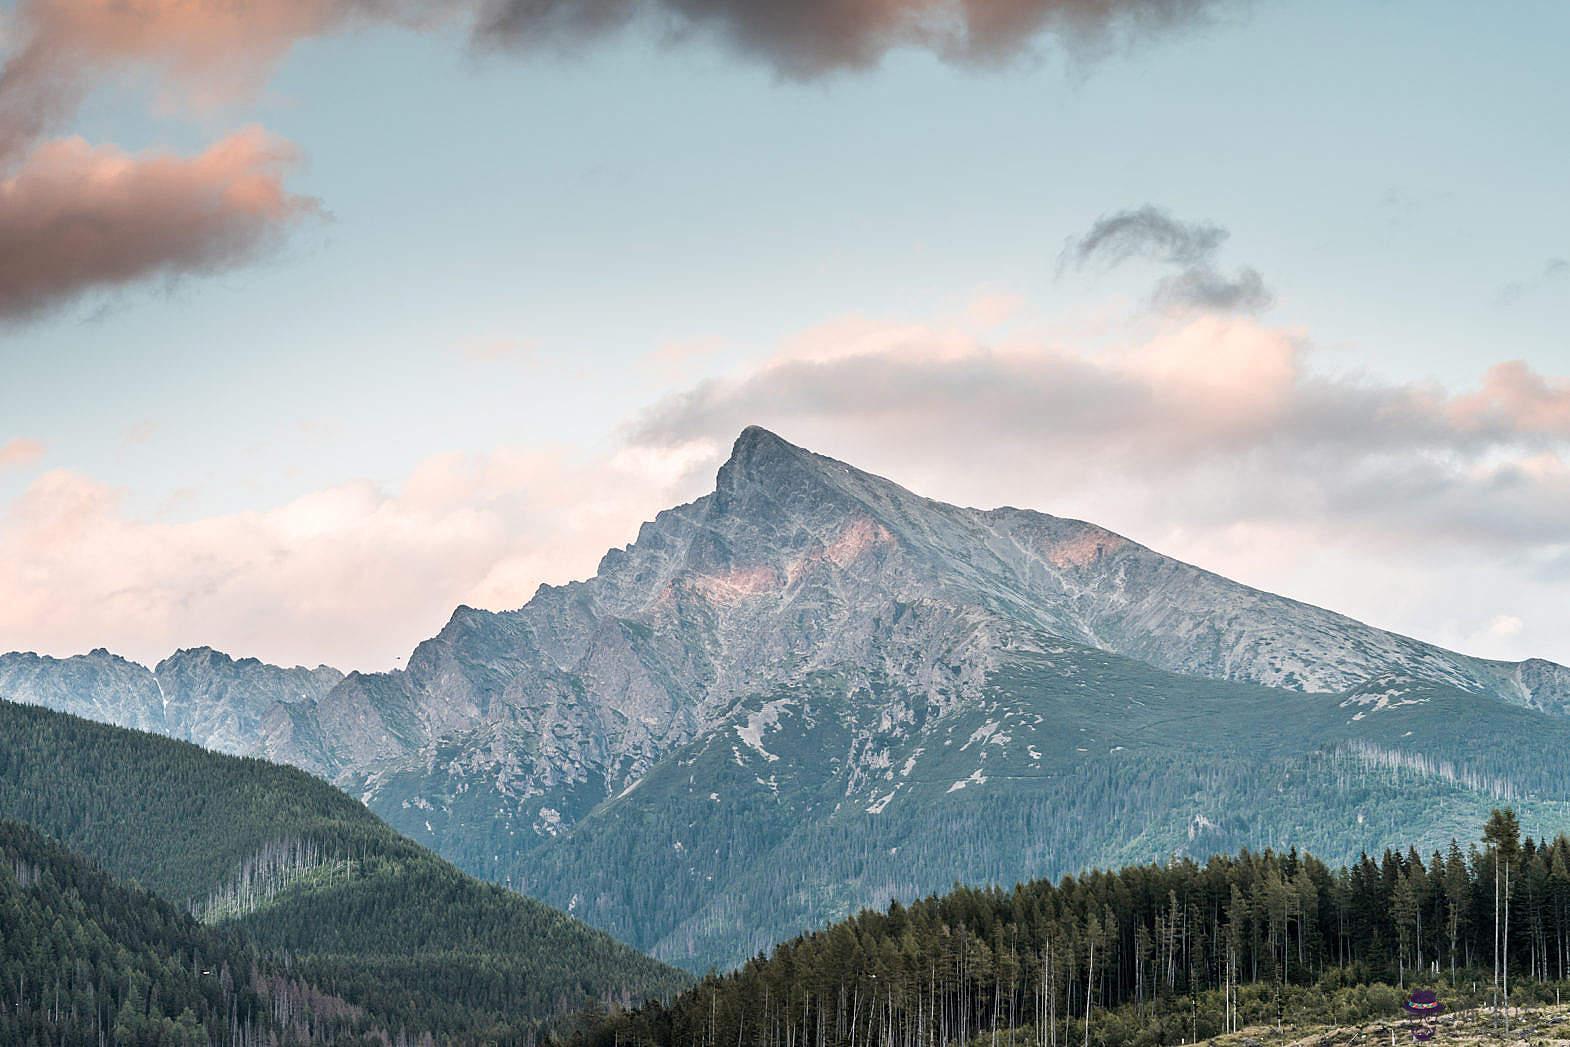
pixel 1188 248
pixel 20 451
pixel 499 350
pixel 1553 271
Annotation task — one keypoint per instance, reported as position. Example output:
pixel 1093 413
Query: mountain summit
pixel 822 633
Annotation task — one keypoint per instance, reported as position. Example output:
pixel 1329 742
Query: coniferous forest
pixel 85 960
pixel 283 867
pixel 1149 954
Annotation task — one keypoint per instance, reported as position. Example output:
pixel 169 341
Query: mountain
pixel 812 688
pixel 1172 953
pixel 301 870
pixel 1069 759
pixel 89 960
pixel 198 695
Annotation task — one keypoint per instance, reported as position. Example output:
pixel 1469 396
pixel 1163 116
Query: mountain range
pixel 812 689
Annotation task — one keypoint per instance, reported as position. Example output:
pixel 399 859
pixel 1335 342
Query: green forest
pixel 312 882
pixel 1150 954
pixel 85 961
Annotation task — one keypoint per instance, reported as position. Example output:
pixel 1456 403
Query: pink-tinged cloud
pixel 1198 390
pixel 76 218
pixel 204 52
pixel 1220 439
pixel 352 575
pixel 19 452
pixel 1514 398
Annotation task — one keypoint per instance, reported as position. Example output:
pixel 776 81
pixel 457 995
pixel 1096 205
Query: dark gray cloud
pixel 1204 288
pixel 1191 248
pixel 807 38
pixel 1147 232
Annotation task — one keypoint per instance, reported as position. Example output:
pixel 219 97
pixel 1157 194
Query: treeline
pixel 84 960
pixel 1050 957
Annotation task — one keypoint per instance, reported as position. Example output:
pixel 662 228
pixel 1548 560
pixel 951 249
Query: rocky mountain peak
pixel 763 468
pixel 755 441
pixel 187 658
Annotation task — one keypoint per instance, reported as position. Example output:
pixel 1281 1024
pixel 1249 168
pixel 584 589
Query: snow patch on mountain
pixel 975 778
pixel 759 722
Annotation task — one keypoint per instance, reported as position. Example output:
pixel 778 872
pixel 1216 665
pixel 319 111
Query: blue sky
pixel 528 252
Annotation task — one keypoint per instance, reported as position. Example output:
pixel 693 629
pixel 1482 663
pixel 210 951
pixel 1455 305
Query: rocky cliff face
pixel 798 562
pixel 197 695
pixel 97 686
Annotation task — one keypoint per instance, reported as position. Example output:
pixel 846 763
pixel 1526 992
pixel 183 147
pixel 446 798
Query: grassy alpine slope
pixel 306 871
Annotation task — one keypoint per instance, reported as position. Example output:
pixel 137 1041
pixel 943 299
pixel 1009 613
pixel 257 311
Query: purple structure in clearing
pixel 1423 1004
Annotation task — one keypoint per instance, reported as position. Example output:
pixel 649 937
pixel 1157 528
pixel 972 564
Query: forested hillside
pixel 308 873
pixel 1207 946
pixel 85 960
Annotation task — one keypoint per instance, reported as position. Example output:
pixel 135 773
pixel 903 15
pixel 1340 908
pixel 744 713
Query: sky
pixel 321 317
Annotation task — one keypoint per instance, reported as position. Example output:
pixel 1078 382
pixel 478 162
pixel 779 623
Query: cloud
pixel 75 218
pixel 1218 439
pixel 1515 400
pixel 810 38
pixel 1201 287
pixel 20 452
pixel 1190 248
pixel 140 432
pixel 1151 232
pixel 1505 625
pixel 352 575
pixel 204 53
pixel 499 350
pixel 208 53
